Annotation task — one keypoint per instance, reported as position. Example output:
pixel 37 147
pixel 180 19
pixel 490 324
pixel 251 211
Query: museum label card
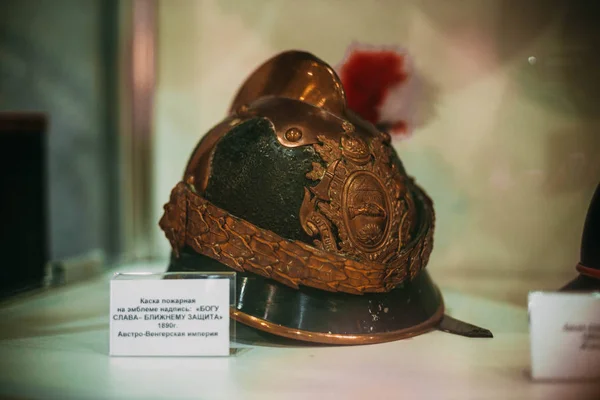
pixel 564 335
pixel 169 317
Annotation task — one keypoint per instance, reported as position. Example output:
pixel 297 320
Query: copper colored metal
pixel 191 220
pixel 363 228
pixel 295 123
pixel 293 135
pixel 363 195
pixel 587 271
pixel 372 227
pixel 198 166
pixel 301 104
pixel 340 339
pixel 295 75
pixel 287 114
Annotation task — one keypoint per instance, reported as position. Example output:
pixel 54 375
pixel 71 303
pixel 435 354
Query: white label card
pixel 564 335
pixel 169 317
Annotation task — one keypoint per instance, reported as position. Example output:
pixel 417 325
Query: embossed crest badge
pixel 361 206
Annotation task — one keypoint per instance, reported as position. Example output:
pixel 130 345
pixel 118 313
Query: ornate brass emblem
pixel 361 206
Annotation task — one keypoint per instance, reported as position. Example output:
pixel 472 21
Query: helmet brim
pixel 317 316
pixel 582 283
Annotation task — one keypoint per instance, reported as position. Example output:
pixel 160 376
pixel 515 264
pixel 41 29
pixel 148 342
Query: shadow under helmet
pixel 312 207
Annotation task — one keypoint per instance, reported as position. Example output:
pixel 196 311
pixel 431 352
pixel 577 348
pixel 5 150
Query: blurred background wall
pixel 507 140
pixel 60 57
pixel 508 145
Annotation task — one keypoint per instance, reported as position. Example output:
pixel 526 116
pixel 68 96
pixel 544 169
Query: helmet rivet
pixel 242 110
pixel 293 134
pixel 347 127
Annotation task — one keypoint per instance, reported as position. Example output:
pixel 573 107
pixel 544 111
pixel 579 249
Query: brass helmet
pixel 311 205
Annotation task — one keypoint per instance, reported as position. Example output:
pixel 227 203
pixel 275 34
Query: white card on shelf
pixel 170 317
pixel 564 335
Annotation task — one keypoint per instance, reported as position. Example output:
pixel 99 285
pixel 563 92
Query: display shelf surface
pixel 55 345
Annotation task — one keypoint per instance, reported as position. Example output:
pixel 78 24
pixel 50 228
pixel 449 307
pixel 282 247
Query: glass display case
pixel 388 180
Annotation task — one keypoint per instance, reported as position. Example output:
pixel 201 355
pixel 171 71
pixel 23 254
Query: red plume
pixel 376 81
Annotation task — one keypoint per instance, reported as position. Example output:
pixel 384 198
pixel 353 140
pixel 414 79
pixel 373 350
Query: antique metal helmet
pixel 589 260
pixel 312 207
